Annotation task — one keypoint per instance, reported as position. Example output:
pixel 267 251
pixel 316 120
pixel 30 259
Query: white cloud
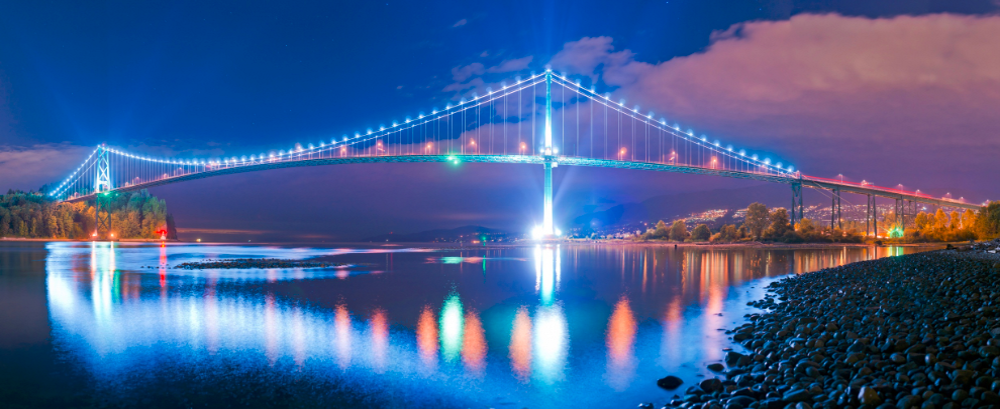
pixel 904 99
pixel 511 65
pixel 460 23
pixel 28 168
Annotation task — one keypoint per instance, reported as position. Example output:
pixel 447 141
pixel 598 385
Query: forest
pixel 763 224
pixel 136 215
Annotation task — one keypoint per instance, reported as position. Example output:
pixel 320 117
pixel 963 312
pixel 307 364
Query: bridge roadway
pixel 806 181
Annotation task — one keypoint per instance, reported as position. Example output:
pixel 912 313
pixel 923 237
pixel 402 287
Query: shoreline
pixel 914 331
pixel 25 239
pixel 746 245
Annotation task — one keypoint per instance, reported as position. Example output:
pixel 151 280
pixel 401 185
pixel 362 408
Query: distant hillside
pixel 464 233
pixel 678 205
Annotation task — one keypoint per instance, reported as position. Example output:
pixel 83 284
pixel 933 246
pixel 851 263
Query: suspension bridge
pixel 545 119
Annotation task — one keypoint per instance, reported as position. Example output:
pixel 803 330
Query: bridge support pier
pixel 796 196
pixel 904 207
pixel 871 217
pixel 835 220
pixel 548 226
pixel 102 208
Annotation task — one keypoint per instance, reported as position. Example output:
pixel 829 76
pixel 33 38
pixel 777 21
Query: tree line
pixel 763 224
pixel 137 215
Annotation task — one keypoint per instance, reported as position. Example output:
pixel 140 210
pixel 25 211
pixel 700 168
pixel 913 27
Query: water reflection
pixel 520 344
pixel 523 332
pixel 474 344
pixel 621 339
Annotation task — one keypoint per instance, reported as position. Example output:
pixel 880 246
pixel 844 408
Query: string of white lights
pixel 675 130
pixel 69 179
pixel 299 151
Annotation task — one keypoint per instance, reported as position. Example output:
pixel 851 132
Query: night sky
pixel 884 90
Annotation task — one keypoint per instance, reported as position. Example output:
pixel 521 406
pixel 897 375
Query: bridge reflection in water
pixel 591 322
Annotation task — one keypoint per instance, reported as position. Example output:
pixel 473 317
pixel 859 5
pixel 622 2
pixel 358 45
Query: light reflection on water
pixel 538 326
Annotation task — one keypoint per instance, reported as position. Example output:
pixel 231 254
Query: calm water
pixel 512 327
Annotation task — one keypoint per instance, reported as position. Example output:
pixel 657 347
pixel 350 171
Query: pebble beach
pixel 914 331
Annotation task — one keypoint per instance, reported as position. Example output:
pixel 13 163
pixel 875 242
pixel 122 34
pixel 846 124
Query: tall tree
pixel 940 220
pixel 661 231
pixel 701 233
pixel 678 231
pixel 779 223
pixel 988 221
pixel 757 219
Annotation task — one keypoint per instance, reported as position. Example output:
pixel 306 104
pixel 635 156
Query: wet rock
pixel 991 398
pixel 962 377
pixel 868 396
pixel 669 382
pixel 717 367
pixel 908 401
pixel 797 395
pixel 710 385
pixel 733 358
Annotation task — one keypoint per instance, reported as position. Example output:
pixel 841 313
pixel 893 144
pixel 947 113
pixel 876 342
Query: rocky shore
pixel 914 331
pixel 243 263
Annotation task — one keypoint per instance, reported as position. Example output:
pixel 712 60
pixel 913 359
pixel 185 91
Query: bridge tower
pixel 548 226
pixel 797 202
pixel 102 200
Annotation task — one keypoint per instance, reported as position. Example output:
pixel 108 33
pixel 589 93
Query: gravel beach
pixel 914 331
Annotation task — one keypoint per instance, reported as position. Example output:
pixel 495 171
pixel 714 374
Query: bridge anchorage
pixel 545 119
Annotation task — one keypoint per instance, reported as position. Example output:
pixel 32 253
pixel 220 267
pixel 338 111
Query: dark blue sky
pixel 182 78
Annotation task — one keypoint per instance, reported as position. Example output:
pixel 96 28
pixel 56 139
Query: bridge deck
pixel 807 181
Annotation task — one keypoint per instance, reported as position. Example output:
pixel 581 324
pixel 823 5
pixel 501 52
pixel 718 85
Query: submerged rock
pixel 669 382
